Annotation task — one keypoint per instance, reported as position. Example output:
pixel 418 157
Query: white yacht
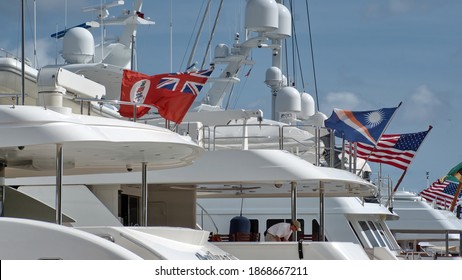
pixel 49 139
pixel 423 230
pixel 287 163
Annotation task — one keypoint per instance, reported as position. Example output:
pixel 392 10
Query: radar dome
pixel 307 106
pixel 284 80
pixel 273 76
pixel 78 46
pixel 261 15
pixel 284 29
pixel 317 119
pixel 221 51
pixel 288 100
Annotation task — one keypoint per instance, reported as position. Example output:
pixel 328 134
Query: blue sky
pixel 368 55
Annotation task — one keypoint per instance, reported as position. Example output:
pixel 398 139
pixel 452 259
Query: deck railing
pixel 249 136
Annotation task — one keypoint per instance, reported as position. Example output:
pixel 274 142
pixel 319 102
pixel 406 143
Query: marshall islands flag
pixel 360 126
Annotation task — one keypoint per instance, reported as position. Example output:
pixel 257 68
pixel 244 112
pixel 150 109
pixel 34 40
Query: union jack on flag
pixel 171 93
pixel 191 83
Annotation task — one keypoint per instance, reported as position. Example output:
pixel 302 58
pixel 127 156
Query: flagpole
pixel 355 158
pixel 378 139
pixel 342 161
pixel 400 180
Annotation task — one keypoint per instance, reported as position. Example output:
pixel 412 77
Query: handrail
pixel 8 54
pixel 113 101
pixel 212 144
pixel 211 137
pixel 317 140
pixel 208 214
pixel 14 96
pixel 244 138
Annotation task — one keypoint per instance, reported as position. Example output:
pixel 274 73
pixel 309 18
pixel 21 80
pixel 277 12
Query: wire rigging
pixel 312 56
pixel 293 43
pixel 212 33
pixel 296 50
pixel 197 37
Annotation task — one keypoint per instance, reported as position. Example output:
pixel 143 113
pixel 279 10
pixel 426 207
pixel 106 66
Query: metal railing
pixel 275 135
pixel 7 54
pixel 101 102
pixel 243 140
pixel 14 97
pixel 208 215
pixel 250 136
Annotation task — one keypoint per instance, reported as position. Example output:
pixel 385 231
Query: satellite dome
pixel 288 100
pixel 317 119
pixel 261 15
pixel 284 80
pixel 307 106
pixel 284 29
pixel 273 76
pixel 78 46
pixel 221 51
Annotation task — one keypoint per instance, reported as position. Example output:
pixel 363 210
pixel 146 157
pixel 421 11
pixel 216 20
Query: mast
pixel 126 42
pixel 35 35
pixel 171 36
pixel 23 66
pixel 262 23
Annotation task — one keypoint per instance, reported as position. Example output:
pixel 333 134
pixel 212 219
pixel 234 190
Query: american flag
pixel 397 150
pixel 442 193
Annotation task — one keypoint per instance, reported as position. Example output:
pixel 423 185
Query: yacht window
pixel 254 225
pixel 376 234
pixel 369 234
pixel 384 236
pixel 354 231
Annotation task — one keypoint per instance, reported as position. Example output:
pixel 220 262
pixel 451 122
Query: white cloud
pixel 343 100
pixel 381 8
pixel 422 105
pixel 46 52
pixel 401 6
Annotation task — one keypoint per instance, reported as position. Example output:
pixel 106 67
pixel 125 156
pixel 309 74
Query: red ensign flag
pixel 171 93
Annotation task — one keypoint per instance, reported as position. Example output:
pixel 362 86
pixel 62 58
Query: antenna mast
pixel 23 81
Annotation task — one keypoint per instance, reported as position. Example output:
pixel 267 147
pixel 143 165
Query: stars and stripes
pixel 442 193
pixel 397 150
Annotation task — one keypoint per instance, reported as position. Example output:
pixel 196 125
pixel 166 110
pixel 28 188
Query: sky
pixel 368 54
